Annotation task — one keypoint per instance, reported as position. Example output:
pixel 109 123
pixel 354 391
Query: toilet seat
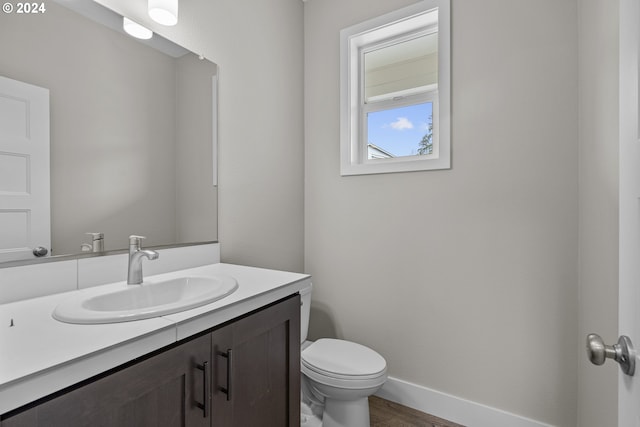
pixel 343 364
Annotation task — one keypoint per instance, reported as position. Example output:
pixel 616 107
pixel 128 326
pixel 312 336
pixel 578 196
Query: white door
pixel 629 231
pixel 24 170
pixel 629 285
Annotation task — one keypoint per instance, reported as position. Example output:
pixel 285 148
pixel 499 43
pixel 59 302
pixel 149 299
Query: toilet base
pixel 346 413
pixel 308 418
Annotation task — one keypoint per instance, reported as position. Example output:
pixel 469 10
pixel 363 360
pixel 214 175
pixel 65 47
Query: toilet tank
pixel 305 311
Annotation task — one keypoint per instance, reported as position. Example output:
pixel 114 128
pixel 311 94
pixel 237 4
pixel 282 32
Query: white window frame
pixel 357 40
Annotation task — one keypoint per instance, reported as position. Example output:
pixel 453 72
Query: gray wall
pixel 459 277
pixel 196 196
pixel 598 127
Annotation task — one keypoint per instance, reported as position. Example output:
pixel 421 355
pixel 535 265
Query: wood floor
pixel 384 413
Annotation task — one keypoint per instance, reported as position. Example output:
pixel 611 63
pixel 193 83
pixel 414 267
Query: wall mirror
pixel 132 131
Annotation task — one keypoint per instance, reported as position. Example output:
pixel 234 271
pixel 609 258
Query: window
pixel 395 91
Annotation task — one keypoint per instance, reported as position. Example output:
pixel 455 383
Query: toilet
pixel 337 378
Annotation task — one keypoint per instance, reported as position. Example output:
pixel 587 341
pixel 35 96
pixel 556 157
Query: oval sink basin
pixel 150 299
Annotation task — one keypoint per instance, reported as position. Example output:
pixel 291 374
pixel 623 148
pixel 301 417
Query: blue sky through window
pixel 399 130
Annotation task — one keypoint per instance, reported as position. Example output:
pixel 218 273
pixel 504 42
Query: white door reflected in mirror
pixel 24 170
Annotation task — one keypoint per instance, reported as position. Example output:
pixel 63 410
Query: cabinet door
pixel 256 368
pixel 164 390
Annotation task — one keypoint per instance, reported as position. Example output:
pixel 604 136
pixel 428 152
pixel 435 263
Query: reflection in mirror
pixel 132 130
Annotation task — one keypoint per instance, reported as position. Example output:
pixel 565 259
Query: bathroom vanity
pixel 234 362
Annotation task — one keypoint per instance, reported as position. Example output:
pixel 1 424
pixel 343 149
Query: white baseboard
pixel 450 407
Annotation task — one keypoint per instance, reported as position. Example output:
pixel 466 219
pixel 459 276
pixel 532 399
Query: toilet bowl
pixel 338 376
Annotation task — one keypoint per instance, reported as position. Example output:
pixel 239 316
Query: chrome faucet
pixel 97 243
pixel 134 275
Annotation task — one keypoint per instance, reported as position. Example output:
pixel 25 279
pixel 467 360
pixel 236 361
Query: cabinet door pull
pixel 206 388
pixel 229 356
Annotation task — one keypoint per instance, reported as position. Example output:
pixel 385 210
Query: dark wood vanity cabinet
pixel 257 369
pixel 158 391
pixel 253 368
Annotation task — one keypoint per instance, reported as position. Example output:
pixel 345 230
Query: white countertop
pixel 40 355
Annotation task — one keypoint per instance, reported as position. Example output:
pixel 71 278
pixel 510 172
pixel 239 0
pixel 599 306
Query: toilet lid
pixel 339 358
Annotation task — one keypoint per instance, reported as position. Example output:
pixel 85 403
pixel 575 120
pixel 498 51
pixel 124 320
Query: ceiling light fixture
pixel 136 30
pixel 164 12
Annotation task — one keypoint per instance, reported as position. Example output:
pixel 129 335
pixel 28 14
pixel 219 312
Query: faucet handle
pixel 136 240
pixel 95 236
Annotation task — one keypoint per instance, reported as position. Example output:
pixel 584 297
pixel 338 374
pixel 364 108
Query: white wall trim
pixel 450 407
